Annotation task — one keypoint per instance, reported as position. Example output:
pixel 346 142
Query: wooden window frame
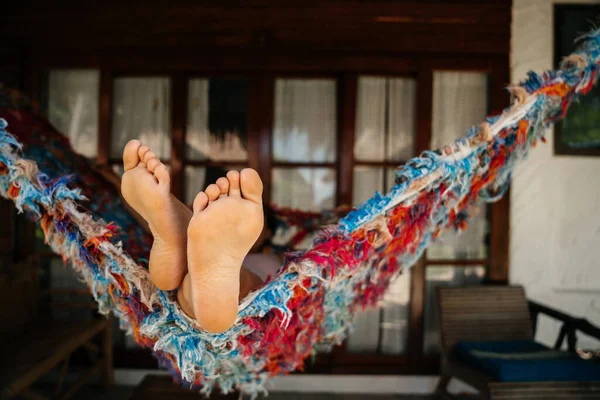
pixel 261 71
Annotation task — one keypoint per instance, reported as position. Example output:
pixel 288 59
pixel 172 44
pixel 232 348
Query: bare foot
pixel 228 218
pixel 146 186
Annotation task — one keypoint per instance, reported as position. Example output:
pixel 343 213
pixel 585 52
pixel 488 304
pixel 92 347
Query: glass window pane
pixel 118 169
pixel 391 179
pixel 470 244
pixel 73 107
pixel 141 110
pixel 367 181
pixel 217 119
pixel 195 179
pixel 309 189
pixel 445 276
pixel 384 328
pixel 459 102
pixel 305 122
pixel 385 119
pixel 396 314
pixel 198 178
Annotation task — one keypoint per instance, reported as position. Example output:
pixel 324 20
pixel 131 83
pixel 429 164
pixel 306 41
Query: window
pixel 216 137
pixel 304 143
pixel 72 106
pixel 384 138
pixel 291 128
pixel 459 99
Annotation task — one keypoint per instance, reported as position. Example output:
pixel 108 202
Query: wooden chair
pixel 501 313
pixel 32 344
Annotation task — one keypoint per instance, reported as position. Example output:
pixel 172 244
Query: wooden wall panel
pixel 391 26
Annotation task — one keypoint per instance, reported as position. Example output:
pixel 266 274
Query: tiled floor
pixel 92 392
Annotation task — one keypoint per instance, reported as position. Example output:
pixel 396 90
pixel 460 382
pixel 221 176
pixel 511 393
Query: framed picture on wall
pixel 579 133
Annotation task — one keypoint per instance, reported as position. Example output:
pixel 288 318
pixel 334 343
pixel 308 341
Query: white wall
pixel 555 200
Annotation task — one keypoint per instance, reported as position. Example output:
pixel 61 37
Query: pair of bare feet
pixel 199 252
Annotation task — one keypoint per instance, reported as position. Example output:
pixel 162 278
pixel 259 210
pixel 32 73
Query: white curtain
pixel 385 130
pixel 385 119
pixel 195 178
pixel 366 181
pixel 371 101
pixel 304 130
pixel 304 188
pixel 402 99
pixel 459 102
pixel 384 328
pixel 200 144
pixel 197 134
pixel 73 107
pixel 305 120
pixel 141 110
pixel 444 276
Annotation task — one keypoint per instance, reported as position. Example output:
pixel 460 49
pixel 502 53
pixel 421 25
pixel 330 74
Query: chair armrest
pixel 569 327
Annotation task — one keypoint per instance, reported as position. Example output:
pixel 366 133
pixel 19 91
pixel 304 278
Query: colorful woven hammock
pixel 313 297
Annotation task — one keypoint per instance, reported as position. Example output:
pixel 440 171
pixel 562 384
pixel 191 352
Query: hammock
pixel 311 300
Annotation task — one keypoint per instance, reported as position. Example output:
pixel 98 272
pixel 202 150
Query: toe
pixel 251 185
pixel 213 192
pixel 200 202
pixel 149 156
pixel 142 152
pixel 130 154
pixel 152 164
pixel 162 174
pixel 223 185
pixel 234 183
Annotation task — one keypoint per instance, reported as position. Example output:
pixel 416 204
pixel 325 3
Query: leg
pixel 146 188
pixel 222 231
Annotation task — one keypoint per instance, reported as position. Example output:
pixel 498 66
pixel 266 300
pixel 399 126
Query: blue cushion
pixel 525 361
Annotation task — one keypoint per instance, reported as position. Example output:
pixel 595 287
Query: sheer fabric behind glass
pixel 73 107
pixel 384 329
pixel 443 276
pixel 141 110
pixel 385 130
pixel 217 120
pixel 305 121
pixel 459 101
pixel 368 180
pixel 385 119
pixel 308 189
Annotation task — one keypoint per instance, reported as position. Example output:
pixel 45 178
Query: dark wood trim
pixel 424 112
pixel 381 164
pixel 254 122
pixel 291 164
pixel 118 161
pixel 265 153
pixel 417 309
pixel 179 103
pixel 32 74
pixel 104 117
pixel 282 63
pixel 136 358
pixel 499 211
pixel 346 99
pixel 457 263
pixel 215 163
